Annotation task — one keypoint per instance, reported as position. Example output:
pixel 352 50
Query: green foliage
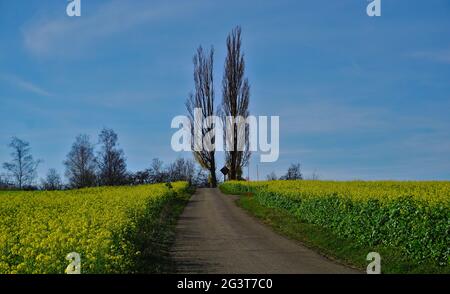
pixel 413 217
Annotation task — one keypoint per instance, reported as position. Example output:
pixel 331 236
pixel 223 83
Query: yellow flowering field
pixel 38 229
pixel 413 217
pixel 384 191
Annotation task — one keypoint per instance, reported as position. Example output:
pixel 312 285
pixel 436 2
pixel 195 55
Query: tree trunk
pixel 213 173
pixel 233 168
pixel 213 179
pixel 232 176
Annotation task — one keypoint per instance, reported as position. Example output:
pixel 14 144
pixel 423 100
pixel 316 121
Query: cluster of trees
pixel 180 170
pixel 293 173
pixel 86 168
pixel 235 103
pixel 4 184
pixel 108 167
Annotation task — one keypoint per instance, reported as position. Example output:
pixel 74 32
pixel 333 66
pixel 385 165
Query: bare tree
pixel 4 183
pixel 153 175
pixel 22 167
pixel 272 176
pixel 293 173
pixel 80 163
pixel 201 178
pixel 141 178
pixel 235 103
pixel 52 181
pixel 111 163
pixel 181 170
pixel 315 176
pixel 203 98
pixel 157 173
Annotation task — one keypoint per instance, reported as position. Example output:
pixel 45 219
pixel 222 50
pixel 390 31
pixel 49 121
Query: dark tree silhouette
pixel 22 167
pixel 293 173
pixel 153 175
pixel 52 181
pixel 181 170
pixel 235 103
pixel 203 98
pixel 111 163
pixel 141 178
pixel 80 163
pixel 3 183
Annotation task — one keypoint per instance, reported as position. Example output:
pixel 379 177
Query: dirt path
pixel 213 235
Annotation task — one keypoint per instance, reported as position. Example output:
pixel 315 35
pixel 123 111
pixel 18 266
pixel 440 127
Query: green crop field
pixel 412 217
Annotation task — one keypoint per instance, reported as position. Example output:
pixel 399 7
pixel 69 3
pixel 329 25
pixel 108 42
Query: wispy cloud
pixel 24 85
pixel 442 56
pixel 64 35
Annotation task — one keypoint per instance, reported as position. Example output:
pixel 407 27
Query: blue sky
pixel 358 97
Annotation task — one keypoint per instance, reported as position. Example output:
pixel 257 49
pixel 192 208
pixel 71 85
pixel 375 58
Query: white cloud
pixel 65 36
pixel 24 85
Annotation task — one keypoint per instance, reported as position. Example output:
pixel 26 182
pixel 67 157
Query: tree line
pixel 294 172
pixel 85 167
pixel 107 167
